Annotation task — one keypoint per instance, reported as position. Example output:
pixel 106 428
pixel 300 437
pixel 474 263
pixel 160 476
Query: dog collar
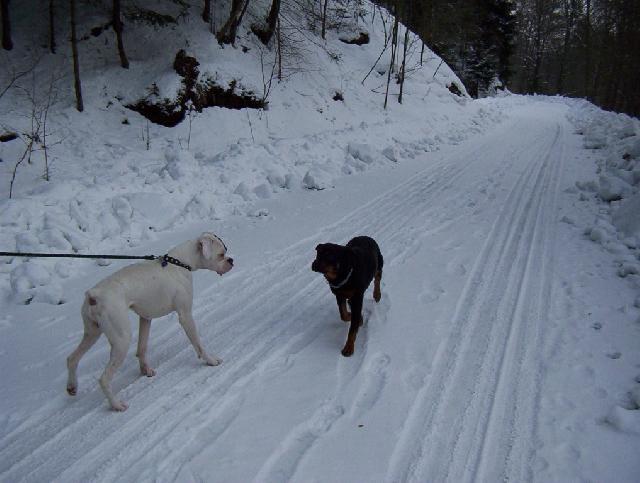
pixel 165 259
pixel 343 282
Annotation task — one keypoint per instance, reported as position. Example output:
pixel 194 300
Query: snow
pixel 505 343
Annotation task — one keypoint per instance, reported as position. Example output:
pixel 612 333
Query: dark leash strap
pixel 165 259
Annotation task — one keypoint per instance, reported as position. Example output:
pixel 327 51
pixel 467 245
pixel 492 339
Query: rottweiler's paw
pixel 347 351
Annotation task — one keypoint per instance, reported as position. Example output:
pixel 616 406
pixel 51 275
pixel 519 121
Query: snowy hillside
pixel 505 343
pixel 108 192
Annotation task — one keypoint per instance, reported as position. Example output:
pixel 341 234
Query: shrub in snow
pixel 625 420
pixel 54 238
pixel 598 234
pixel 627 217
pixel 243 191
pixel 49 294
pixel 629 269
pixel 587 185
pixel 153 209
pixel 633 149
pixel 27 242
pixel 594 137
pixel 361 152
pixel 612 188
pixel 278 178
pixel 391 153
pixel 26 277
pixel 316 179
pixel 263 191
pixel 179 163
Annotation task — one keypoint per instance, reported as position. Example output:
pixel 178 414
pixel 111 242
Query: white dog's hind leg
pixel 119 334
pixel 189 326
pixel 91 335
pixel 143 340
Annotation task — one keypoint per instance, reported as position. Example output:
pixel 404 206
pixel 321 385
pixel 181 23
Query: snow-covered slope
pixel 109 193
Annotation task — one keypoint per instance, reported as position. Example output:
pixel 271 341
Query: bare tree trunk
pixel 117 27
pixel 279 51
pixel 324 18
pixel 587 42
pixel 394 44
pixel 206 11
pixel 227 34
pixel 265 33
pixel 272 18
pixel 404 59
pixel 76 61
pixel 52 30
pixel 7 43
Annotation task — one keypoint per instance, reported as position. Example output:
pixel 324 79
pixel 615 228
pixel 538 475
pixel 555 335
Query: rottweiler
pixel 349 270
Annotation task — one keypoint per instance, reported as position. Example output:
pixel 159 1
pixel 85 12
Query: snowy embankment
pixel 118 182
pixel 615 142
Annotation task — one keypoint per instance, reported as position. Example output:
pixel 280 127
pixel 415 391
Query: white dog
pixel 151 289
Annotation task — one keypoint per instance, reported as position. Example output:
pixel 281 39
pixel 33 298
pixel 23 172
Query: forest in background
pixel 576 48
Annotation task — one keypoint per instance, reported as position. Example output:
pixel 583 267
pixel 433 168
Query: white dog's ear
pixel 205 244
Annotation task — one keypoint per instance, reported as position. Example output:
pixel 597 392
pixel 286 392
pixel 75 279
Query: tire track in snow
pixel 435 443
pixel 283 463
pixel 80 441
pixel 63 431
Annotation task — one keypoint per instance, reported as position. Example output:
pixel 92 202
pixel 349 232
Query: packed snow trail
pixel 452 397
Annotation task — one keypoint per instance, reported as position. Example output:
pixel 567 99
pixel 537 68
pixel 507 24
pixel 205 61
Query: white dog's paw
pixel 212 361
pixel 119 406
pixel 72 389
pixel 145 370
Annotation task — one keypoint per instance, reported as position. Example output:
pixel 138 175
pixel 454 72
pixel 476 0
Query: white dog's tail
pixel 92 306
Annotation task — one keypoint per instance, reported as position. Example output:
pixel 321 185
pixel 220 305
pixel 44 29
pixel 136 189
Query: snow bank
pixel 616 137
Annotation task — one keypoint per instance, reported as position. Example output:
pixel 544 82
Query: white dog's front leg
pixel 143 340
pixel 189 326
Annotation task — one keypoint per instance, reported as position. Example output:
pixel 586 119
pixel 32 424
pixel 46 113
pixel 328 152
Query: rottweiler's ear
pixel 318 247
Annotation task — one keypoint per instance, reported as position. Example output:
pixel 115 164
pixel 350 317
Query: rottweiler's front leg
pixel 356 321
pixel 345 316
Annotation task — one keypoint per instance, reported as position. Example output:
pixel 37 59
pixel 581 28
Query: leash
pixel 165 259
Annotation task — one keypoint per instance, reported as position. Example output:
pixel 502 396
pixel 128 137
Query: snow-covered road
pixel 450 378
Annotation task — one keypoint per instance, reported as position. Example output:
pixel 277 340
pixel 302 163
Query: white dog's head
pixel 213 253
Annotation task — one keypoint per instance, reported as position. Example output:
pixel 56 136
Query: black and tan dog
pixel 349 270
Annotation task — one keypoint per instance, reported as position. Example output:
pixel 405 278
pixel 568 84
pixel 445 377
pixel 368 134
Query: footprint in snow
pixel 614 355
pixel 431 294
pixel 375 380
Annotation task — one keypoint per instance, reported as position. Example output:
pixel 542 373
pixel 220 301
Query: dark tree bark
pixel 394 46
pixel 324 18
pixel 587 42
pixel 52 30
pixel 227 34
pixel 272 19
pixel 76 61
pixel 404 59
pixel 117 28
pixel 206 11
pixel 7 43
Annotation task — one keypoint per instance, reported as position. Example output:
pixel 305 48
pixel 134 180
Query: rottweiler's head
pixel 331 260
